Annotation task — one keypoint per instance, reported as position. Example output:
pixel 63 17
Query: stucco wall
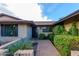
pixel 39 30
pixel 68 25
pixel 78 25
pixel 24 31
pixel 29 32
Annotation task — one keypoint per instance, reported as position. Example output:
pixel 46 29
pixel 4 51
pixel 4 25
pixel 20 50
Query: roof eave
pixel 67 17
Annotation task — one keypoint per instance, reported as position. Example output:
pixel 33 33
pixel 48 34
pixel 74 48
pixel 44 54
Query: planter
pixel 24 52
pixel 3 52
pixel 74 53
pixel 18 48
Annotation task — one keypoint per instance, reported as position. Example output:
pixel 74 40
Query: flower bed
pixel 22 45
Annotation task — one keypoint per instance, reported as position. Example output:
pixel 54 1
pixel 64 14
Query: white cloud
pixel 40 1
pixel 27 11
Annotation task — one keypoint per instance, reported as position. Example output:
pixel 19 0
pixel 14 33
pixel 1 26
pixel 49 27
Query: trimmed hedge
pixel 62 43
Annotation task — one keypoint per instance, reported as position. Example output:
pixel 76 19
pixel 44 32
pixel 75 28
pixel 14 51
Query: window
pixel 9 30
pixel 47 29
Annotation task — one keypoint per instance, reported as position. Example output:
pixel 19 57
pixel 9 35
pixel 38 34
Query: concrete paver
pixel 46 48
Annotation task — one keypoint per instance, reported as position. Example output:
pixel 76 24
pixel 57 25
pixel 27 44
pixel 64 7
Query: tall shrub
pixel 59 29
pixel 62 43
pixel 73 30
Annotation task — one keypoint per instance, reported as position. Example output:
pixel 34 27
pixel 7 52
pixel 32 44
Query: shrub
pixel 59 29
pixel 62 43
pixel 51 37
pixel 19 45
pixel 27 45
pixel 50 29
pixel 73 30
pixel 42 36
pixel 65 41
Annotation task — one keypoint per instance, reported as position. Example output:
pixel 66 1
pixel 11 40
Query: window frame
pixel 5 32
pixel 46 29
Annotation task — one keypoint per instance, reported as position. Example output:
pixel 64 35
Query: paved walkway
pixel 45 48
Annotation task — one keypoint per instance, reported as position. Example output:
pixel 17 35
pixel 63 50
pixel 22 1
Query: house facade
pixel 44 27
pixel 12 28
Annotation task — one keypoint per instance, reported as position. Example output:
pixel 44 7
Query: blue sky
pixel 55 11
pixel 42 11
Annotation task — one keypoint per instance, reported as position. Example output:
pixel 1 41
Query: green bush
pixel 19 45
pixel 50 29
pixel 73 30
pixel 62 43
pixel 65 41
pixel 42 36
pixel 27 45
pixel 59 30
pixel 51 37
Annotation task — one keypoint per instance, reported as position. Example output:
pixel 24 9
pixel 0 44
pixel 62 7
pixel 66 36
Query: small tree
pixel 73 30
